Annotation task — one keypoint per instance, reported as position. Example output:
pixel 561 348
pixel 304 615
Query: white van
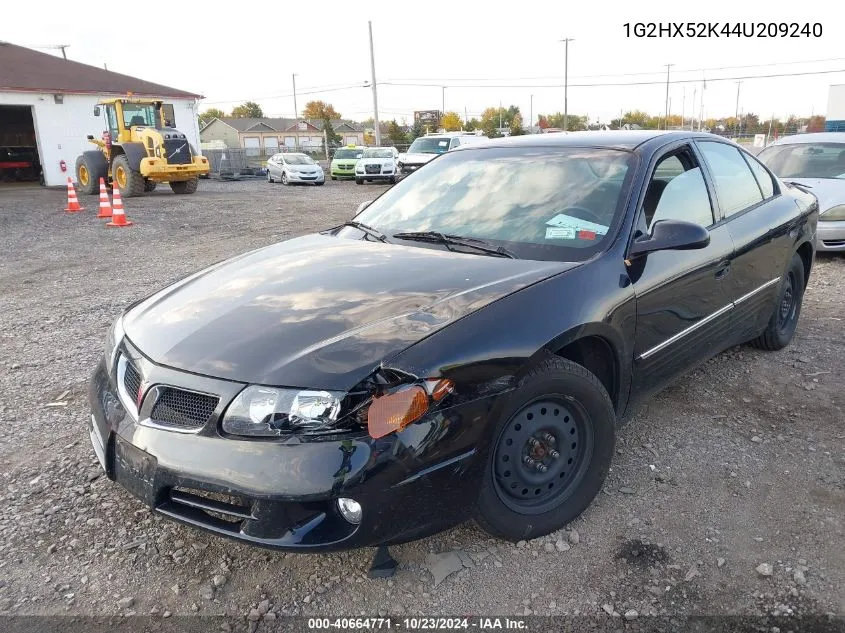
pixel 424 148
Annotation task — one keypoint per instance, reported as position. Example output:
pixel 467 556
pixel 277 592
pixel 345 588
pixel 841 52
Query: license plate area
pixel 135 470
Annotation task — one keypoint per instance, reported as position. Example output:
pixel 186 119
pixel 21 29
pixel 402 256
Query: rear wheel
pixel 551 453
pixel 781 327
pixel 185 186
pixel 130 182
pixel 149 185
pixel 269 176
pixel 88 174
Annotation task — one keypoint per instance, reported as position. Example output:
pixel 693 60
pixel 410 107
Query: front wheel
pixel 285 178
pixel 551 452
pixel 130 182
pixel 185 186
pixel 782 324
pixel 88 174
pixel 359 181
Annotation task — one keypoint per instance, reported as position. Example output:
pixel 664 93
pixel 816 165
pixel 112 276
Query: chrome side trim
pixel 125 398
pixel 705 320
pixel 686 331
pixel 756 290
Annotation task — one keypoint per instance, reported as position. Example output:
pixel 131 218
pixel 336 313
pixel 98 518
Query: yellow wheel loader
pixel 138 150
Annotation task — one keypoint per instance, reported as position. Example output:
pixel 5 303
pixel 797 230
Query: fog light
pixel 350 509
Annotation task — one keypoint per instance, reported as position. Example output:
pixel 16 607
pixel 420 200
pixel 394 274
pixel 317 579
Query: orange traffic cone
pixel 118 216
pixel 105 205
pixel 73 205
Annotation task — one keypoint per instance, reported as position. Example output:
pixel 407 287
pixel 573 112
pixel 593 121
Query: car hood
pixel 414 159
pixel 318 311
pixel 830 192
pixel 375 161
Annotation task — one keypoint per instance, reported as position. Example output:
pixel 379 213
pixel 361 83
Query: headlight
pixel 115 336
pixel 833 214
pixel 268 412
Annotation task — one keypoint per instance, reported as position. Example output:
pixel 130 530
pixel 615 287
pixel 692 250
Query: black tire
pixel 568 408
pixel 781 326
pixel 89 170
pixel 185 186
pixel 393 180
pixel 150 185
pixel 285 178
pixel 320 184
pixel 133 182
pixel 269 177
pixel 334 178
pixel 359 181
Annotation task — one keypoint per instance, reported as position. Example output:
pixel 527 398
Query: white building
pixel 835 121
pixel 47 111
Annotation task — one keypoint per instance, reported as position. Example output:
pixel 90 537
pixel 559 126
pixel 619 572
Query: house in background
pixel 267 136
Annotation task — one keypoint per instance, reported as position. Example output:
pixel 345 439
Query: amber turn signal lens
pixel 395 411
pixel 440 388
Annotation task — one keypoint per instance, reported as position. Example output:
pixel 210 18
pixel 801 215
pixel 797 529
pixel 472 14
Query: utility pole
pixel 692 118
pixel 500 117
pixel 736 114
pixel 566 41
pixel 295 111
pixel 668 66
pixel 375 89
pixel 531 114
pixel 684 109
pixel 443 101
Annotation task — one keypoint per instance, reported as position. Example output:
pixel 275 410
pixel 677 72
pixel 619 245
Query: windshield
pixel 378 153
pixel 298 159
pixel 555 204
pixel 806 160
pixel 348 153
pixel 139 114
pixel 429 145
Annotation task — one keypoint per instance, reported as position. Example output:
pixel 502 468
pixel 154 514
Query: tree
pixel 212 113
pixel 395 133
pixel 369 138
pixel 320 110
pixel 472 125
pixel 516 125
pixel 816 123
pixel 451 122
pixel 415 131
pixel 332 137
pixel 248 110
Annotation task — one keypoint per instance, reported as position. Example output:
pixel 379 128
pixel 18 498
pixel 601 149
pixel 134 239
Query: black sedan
pixel 465 347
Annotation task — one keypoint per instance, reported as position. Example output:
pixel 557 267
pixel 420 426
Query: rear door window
pixel 764 178
pixel 736 187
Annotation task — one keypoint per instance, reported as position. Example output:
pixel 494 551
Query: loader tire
pixel 129 181
pixel 149 185
pixel 185 186
pixel 88 174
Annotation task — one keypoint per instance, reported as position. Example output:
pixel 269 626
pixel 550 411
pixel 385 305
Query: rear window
pixel 348 153
pixel 805 160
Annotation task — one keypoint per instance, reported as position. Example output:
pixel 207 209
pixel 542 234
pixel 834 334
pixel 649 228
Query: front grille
pixel 183 409
pixel 833 243
pixel 372 169
pixel 132 381
pixel 345 166
pixel 177 151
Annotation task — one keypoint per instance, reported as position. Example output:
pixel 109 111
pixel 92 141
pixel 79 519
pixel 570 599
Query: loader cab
pixel 122 115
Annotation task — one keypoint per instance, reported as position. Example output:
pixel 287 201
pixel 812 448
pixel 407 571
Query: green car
pixel 343 162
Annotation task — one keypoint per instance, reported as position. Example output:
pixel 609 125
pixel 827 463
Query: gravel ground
pixel 727 495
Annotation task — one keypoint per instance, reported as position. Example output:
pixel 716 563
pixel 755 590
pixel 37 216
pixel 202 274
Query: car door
pixel 682 302
pixel 763 225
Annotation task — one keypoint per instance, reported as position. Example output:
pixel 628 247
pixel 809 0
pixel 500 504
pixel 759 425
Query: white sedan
pixel 377 163
pixel 294 168
pixel 816 161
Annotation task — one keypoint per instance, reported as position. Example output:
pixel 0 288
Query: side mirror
pixel 96 110
pixel 363 206
pixel 90 137
pixel 674 235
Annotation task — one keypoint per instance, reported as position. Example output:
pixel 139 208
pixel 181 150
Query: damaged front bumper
pixel 282 493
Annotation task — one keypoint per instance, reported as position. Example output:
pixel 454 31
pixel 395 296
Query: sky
pixel 484 55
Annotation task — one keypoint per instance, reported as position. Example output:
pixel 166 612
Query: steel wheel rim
pixel 527 475
pixel 83 175
pixel 788 303
pixel 284 178
pixel 120 176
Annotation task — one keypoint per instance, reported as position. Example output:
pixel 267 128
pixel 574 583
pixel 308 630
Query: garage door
pixel 290 141
pixel 271 145
pixel 350 140
pixel 252 145
pixel 18 150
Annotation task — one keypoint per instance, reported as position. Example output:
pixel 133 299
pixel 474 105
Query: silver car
pixel 294 168
pixel 816 161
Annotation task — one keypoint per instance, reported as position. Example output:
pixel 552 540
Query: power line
pixel 634 74
pixel 625 83
pixel 308 91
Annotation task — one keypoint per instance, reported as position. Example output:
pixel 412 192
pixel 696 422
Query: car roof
pixel 610 139
pixel 815 137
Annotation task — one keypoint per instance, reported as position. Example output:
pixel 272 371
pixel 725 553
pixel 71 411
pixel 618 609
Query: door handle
pixel 723 271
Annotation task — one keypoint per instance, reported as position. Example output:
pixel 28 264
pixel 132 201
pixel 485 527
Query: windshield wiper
pixel 800 185
pixel 448 240
pixel 381 237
